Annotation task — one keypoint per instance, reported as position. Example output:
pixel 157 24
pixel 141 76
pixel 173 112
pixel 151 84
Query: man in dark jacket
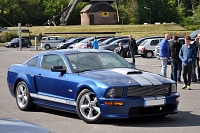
pixel 174 49
pixel 132 46
pixel 187 55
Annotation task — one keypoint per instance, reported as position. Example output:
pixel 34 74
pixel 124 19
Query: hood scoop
pixel 134 72
pixel 126 71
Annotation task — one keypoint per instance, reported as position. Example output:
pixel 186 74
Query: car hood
pixel 126 76
pixel 9 125
pixel 7 42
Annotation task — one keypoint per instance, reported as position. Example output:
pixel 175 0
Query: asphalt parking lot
pixel 186 121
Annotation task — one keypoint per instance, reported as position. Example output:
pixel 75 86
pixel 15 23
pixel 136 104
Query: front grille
pixel 135 91
pixel 136 111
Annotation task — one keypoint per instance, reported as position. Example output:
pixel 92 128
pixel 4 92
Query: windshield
pixel 71 40
pixel 94 61
pixel 14 40
pixel 143 43
pixel 86 40
pixel 194 34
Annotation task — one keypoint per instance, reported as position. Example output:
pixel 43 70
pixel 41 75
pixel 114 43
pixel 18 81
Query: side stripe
pixel 53 99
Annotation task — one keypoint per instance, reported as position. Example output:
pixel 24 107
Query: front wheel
pixel 23 99
pixel 47 47
pixel 88 108
pixel 28 45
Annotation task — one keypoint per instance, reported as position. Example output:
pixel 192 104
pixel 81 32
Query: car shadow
pixel 182 119
pixel 56 112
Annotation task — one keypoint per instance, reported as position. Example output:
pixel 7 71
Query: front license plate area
pixel 154 102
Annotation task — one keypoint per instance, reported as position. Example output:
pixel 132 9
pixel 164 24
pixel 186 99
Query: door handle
pixel 39 75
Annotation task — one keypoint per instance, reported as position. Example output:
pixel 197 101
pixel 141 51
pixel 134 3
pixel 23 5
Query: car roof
pixel 51 36
pixel 75 51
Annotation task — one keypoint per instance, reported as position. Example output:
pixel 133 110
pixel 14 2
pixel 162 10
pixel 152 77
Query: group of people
pixel 184 59
pixel 94 44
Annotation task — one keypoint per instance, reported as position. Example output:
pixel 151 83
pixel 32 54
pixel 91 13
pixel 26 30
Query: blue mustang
pixel 95 84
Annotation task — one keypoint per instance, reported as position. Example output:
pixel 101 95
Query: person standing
pixel 89 44
pixel 187 55
pixel 198 58
pixel 164 54
pixel 95 44
pixel 194 65
pixel 132 46
pixel 121 49
pixel 176 63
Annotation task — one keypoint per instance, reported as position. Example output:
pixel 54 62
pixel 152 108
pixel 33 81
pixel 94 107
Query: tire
pixel 23 99
pixel 15 46
pixel 28 45
pixel 47 47
pixel 149 54
pixel 128 55
pixel 87 103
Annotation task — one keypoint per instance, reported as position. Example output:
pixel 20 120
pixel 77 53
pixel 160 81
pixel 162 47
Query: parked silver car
pixel 50 42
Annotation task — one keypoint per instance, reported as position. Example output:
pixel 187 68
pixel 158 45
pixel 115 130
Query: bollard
pixel 36 43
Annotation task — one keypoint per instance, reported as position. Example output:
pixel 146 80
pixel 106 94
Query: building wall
pixel 100 18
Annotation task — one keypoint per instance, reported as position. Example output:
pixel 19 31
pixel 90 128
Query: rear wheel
pixel 88 108
pixel 149 54
pixel 23 99
pixel 128 54
pixel 15 46
pixel 47 47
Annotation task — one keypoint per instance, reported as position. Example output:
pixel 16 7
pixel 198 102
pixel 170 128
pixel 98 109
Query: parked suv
pixel 15 43
pixel 50 42
pixel 147 47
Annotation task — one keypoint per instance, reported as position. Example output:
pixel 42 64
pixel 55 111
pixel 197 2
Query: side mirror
pixel 58 69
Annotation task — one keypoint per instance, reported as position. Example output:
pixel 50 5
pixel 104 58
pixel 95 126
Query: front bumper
pixel 135 107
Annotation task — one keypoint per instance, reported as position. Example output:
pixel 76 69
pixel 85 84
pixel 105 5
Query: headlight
pixel 114 92
pixel 173 88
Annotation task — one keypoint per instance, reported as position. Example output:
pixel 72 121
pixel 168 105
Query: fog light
pixel 114 103
pixel 118 103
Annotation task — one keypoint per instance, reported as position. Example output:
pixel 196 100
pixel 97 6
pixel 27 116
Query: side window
pixel 33 61
pixel 26 40
pixel 58 38
pixel 52 60
pixel 154 42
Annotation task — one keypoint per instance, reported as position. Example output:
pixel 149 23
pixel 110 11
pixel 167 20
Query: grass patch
pixel 137 31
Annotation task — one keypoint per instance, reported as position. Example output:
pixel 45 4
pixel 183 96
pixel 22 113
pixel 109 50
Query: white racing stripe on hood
pixel 143 79
pixel 138 78
pixel 152 79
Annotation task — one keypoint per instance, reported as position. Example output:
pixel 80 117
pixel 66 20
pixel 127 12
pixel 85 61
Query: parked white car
pixel 147 47
pixel 50 42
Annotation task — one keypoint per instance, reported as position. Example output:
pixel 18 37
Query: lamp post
pixel 122 23
pixel 149 12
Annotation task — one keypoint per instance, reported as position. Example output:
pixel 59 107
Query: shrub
pixel 7 36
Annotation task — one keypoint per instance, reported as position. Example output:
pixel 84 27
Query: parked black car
pixel 111 46
pixel 112 39
pixel 66 44
pixel 15 43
